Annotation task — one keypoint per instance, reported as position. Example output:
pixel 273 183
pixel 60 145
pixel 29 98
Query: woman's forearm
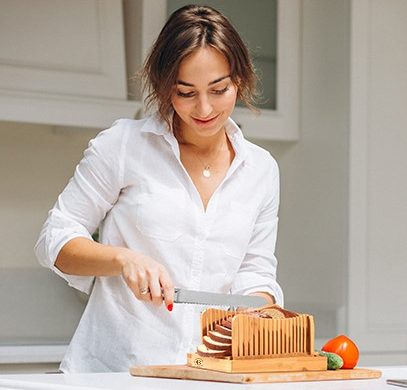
pixel 81 256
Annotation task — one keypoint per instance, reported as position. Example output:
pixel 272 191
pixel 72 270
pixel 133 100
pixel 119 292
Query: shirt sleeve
pixel 85 201
pixel 259 266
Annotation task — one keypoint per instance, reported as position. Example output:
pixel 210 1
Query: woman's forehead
pixel 204 66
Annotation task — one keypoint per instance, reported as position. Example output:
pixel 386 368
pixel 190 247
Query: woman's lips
pixel 204 122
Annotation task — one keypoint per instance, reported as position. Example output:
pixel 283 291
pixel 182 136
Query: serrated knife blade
pixel 217 299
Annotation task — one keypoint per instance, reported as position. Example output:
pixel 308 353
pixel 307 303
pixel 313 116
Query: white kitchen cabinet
pixel 281 123
pixel 63 62
pixel 378 185
pixel 71 47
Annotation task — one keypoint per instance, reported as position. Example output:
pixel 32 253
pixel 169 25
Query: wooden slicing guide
pixel 265 338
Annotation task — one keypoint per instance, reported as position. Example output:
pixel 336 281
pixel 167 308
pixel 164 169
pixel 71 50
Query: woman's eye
pixel 186 95
pixel 193 93
pixel 220 91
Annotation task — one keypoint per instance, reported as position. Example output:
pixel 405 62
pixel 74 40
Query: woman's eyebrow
pixel 211 83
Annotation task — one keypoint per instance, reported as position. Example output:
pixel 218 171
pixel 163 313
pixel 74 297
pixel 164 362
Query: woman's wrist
pixel 121 258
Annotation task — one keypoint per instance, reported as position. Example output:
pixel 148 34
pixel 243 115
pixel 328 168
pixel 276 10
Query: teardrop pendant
pixel 206 173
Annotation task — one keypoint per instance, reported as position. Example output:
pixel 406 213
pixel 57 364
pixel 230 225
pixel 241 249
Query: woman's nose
pixel 204 107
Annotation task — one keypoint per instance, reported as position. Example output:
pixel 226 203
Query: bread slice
pixel 277 312
pixel 223 330
pixel 289 314
pixel 216 345
pixel 227 323
pixel 272 313
pixel 204 351
pixel 219 337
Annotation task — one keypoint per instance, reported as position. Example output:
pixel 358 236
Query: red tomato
pixel 345 348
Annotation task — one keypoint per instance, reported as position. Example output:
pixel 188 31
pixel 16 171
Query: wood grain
pixel 280 364
pixel 185 372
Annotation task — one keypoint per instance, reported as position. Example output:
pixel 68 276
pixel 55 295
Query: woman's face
pixel 204 95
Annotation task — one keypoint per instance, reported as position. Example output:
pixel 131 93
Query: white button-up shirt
pixel 132 185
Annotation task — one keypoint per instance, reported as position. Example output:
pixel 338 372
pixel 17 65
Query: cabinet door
pixel 73 47
pixel 378 184
pixel 272 30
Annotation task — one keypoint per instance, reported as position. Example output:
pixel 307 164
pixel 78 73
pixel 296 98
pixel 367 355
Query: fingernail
pixel 169 307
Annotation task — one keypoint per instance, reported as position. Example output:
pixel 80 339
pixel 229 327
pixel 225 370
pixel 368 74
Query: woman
pixel 181 198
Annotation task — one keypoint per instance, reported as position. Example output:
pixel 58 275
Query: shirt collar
pixel 237 139
pixel 154 124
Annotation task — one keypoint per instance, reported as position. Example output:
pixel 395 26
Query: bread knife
pixel 217 299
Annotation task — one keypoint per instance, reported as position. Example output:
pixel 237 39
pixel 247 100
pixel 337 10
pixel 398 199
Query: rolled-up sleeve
pixel 259 266
pixel 84 202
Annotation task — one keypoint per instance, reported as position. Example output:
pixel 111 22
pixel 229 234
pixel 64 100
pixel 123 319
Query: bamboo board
pixel 191 373
pixel 282 364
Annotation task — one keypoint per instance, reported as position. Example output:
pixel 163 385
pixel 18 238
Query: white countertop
pixel 124 381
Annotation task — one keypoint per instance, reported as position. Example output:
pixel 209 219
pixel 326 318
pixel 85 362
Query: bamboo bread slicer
pixel 244 347
pixel 260 344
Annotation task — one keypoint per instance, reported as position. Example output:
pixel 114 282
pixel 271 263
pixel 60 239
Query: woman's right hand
pixel 147 279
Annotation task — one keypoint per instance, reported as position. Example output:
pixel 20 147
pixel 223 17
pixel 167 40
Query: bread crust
pixel 203 351
pixel 216 345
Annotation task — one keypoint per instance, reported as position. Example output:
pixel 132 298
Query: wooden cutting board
pixel 186 372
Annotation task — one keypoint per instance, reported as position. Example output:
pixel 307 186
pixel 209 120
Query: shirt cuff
pixel 275 292
pixel 272 288
pixel 81 283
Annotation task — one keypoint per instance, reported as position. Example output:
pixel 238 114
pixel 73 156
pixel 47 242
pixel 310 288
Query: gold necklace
pixel 206 172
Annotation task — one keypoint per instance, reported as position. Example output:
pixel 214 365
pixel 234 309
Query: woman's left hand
pixel 270 299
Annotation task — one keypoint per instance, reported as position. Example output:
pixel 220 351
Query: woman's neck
pixel 201 145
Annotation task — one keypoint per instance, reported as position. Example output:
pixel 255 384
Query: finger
pixel 155 289
pixel 145 294
pixel 143 287
pixel 167 289
pixel 132 282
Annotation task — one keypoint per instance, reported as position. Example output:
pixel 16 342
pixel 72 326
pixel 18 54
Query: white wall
pixel 312 242
pixel 378 181
pixel 35 163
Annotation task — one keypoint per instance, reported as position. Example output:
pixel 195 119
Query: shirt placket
pixel 204 223
pixel 196 263
pixel 194 283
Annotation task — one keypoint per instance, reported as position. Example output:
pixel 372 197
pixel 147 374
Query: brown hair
pixel 187 29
